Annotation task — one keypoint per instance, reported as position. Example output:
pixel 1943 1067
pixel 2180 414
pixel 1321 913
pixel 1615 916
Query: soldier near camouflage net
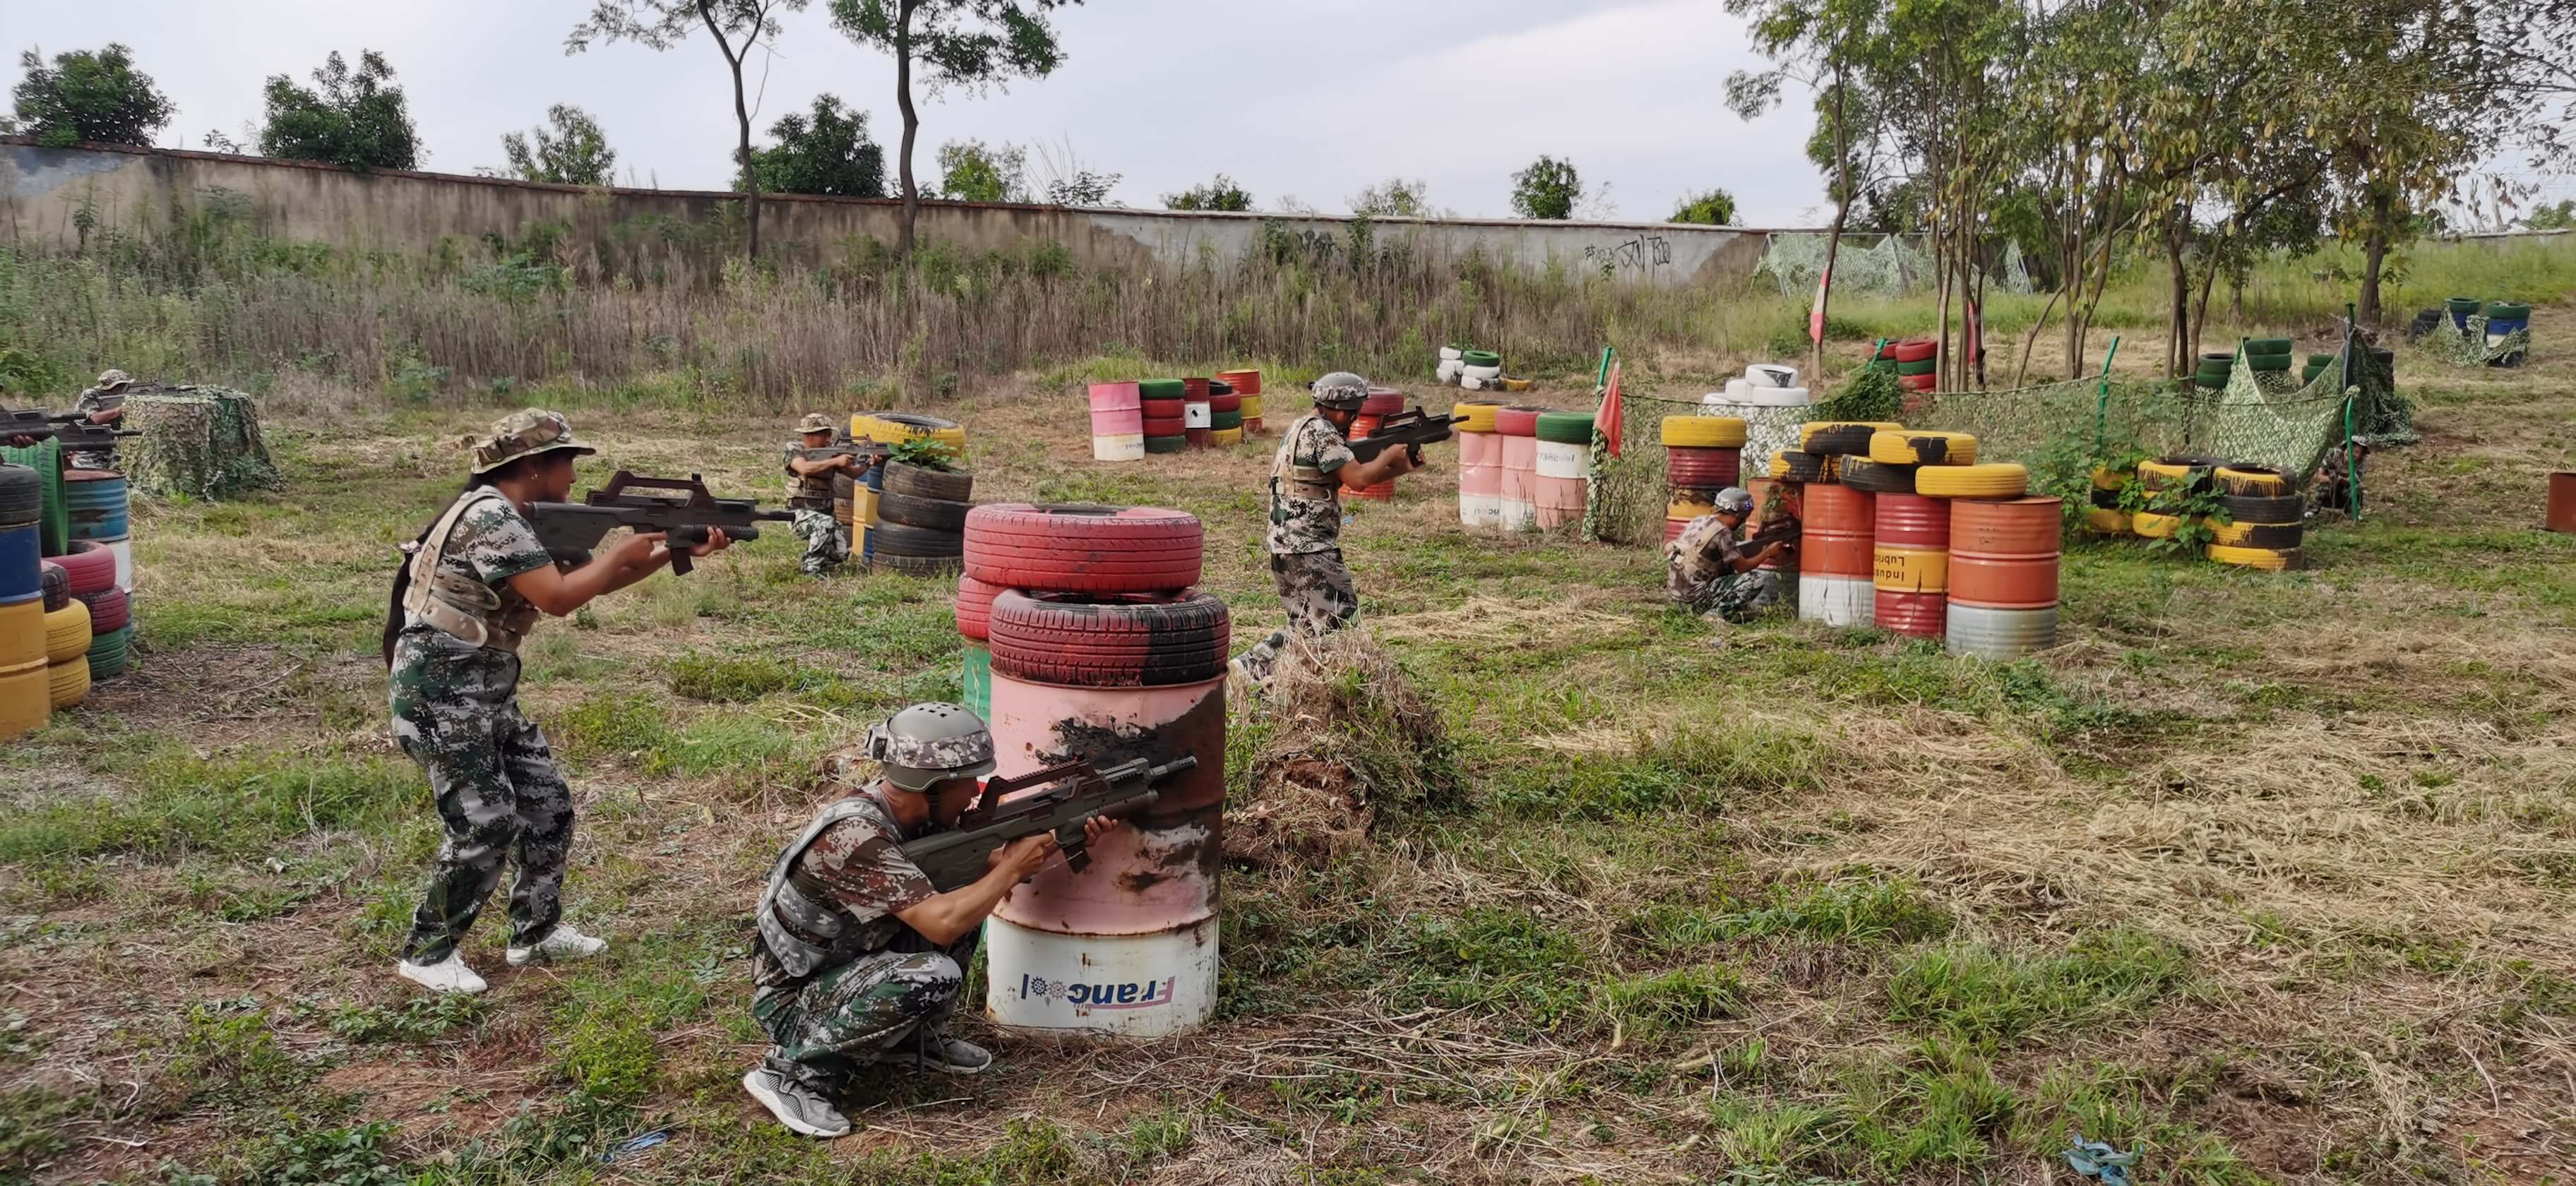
pixel 1306 479
pixel 859 956
pixel 471 588
pixel 1707 571
pixel 104 404
pixel 809 478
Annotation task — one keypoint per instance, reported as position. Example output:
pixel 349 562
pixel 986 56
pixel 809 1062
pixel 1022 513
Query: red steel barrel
pixel 1836 542
pixel 2004 552
pixel 1909 564
pixel 2562 502
pixel 1381 403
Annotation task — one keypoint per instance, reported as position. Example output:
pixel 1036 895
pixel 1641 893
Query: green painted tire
pixel 1924 366
pixel 1179 444
pixel 2269 362
pixel 1565 428
pixel 2508 311
pixel 1224 420
pixel 2265 347
pixel 2460 304
pixel 1162 389
pixel 1480 358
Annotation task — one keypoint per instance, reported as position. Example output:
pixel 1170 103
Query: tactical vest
pixel 790 898
pixel 807 491
pixel 461 606
pixel 1291 480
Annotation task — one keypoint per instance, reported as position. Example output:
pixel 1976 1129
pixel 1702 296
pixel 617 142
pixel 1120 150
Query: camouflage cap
pixel 524 433
pixel 931 742
pixel 1341 389
pixel 816 422
pixel 112 378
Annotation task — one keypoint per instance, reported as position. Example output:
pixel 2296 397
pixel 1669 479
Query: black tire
pixel 932 514
pixel 2108 500
pixel 2272 508
pixel 1878 477
pixel 1801 466
pixel 921 481
pixel 918 566
pixel 2276 537
pixel 1848 440
pixel 895 539
pixel 22 495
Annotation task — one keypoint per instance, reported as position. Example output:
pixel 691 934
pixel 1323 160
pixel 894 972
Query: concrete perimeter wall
pixel 55 197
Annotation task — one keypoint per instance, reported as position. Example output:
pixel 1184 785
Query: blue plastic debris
pixel 2094 1159
pixel 634 1145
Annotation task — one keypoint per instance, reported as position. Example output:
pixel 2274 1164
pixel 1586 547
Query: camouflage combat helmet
pixel 816 422
pixel 1341 389
pixel 524 433
pixel 928 743
pixel 1734 500
pixel 111 379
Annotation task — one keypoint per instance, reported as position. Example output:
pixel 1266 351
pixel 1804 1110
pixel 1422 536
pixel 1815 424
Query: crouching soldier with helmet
pixel 860 958
pixel 1708 571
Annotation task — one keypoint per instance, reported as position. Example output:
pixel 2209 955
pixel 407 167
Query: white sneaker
pixel 794 1105
pixel 561 943
pixel 447 975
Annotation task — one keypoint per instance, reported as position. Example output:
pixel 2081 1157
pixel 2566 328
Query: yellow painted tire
pixel 2110 479
pixel 1472 417
pixel 2240 533
pixel 887 432
pixel 1910 570
pixel 2000 479
pixel 1511 384
pixel 69 681
pixel 1807 432
pixel 1687 507
pixel 2160 475
pixel 1922 446
pixel 1221 437
pixel 67 632
pixel 2155 526
pixel 1704 432
pixel 2251 482
pixel 2108 522
pixel 2266 559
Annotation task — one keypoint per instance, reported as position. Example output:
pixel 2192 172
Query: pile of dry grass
pixel 1347 741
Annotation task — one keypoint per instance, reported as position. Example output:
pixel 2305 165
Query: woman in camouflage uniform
pixel 1306 481
pixel 477 579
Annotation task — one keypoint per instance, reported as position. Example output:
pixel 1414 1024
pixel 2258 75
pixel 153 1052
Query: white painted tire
pixel 1486 373
pixel 1447 371
pixel 1451 354
pixel 1472 383
pixel 1764 374
pixel 1736 390
pixel 1762 397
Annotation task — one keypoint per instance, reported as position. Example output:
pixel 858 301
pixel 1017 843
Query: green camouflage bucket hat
pixel 524 433
pixel 816 422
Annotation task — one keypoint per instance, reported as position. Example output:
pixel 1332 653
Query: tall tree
pixel 96 96
pixel 971 172
pixel 1220 194
pixel 829 153
pixel 573 152
pixel 736 26
pixel 1548 188
pixel 968 44
pixel 353 118
pixel 1394 197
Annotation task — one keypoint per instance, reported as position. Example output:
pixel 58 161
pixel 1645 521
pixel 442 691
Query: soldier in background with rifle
pixel 91 423
pixel 1708 571
pixel 811 462
pixel 469 590
pixel 1315 461
pixel 862 952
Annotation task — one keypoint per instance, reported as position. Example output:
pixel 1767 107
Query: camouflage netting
pixel 2469 347
pixel 201 442
pixel 1889 266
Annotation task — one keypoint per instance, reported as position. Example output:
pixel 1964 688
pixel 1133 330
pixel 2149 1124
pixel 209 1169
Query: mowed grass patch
pixel 1989 997
pixel 239 805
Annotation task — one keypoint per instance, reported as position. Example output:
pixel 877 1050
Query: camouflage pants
pixel 846 1018
pixel 825 545
pixel 456 712
pixel 1320 597
pixel 1736 597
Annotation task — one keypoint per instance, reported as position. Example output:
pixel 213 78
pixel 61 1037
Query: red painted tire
pixel 1517 421
pixel 1382 401
pixel 1194 388
pixel 108 609
pixel 975 607
pixel 1917 382
pixel 1912 349
pixel 1083 549
pixel 1225 403
pixel 1109 642
pixel 89 566
pixel 1702 468
pixel 1163 409
pixel 1163 426
pixel 55 584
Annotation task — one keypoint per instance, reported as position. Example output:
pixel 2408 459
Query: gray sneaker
pixel 795 1105
pixel 950 1056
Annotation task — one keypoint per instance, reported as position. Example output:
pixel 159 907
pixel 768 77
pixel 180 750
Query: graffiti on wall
pixel 1639 253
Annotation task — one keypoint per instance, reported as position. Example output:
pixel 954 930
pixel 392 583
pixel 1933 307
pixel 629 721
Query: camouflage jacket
pixel 489 544
pixel 1305 491
pixel 806 491
pixel 1705 553
pixel 856 865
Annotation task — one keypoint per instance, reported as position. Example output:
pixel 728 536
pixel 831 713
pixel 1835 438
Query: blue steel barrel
pixel 97 501
pixel 21 574
pixel 875 480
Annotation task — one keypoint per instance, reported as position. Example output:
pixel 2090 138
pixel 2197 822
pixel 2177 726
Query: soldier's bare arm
pixel 944 918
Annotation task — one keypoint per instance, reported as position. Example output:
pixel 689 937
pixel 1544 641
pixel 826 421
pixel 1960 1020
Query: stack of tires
pixel 1381 403
pixel 67 639
pixel 2315 366
pixel 1516 491
pixel 1164 412
pixel 920 518
pixel 1103 649
pixel 2268 355
pixel 1198 413
pixel 888 429
pixel 1117 422
pixel 2266 518
pixel 25 689
pixel 1772 406
pixel 1702 455
pixel 1480 465
pixel 89 572
pixel 97 501
pixel 2003 575
pixel 1225 415
pixel 2504 319
pixel 2213 372
pixel 975 658
pixel 1480 370
pixel 1918 362
pixel 2171 476
pixel 1246 383
pixel 1563 455
pixel 2105 515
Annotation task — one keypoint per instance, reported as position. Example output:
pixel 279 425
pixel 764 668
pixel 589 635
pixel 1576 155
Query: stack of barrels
pixel 25 688
pixel 920 518
pixel 2266 518
pixel 1117 422
pixel 1918 362
pixel 1516 490
pixel 1381 403
pixel 1225 415
pixel 1561 456
pixel 1702 455
pixel 1101 648
pixel 1164 405
pixel 1247 384
pixel 1480 465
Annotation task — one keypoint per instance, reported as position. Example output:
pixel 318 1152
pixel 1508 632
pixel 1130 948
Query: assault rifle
pixel 628 500
pixel 73 429
pixel 845 446
pixel 1415 427
pixel 1781 530
pixel 1075 792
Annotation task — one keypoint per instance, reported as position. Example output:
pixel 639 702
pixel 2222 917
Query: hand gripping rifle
pixel 629 500
pixel 73 429
pixel 1075 792
pixel 1415 427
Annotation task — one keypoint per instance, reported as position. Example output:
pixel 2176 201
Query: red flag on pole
pixel 1607 419
pixel 1816 311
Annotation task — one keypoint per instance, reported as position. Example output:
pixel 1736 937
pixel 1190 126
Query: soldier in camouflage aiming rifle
pixel 860 955
pixel 1709 571
pixel 811 462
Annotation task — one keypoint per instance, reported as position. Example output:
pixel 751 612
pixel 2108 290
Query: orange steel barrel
pixel 1792 500
pixel 1909 565
pixel 2004 552
pixel 1836 542
pixel 2562 502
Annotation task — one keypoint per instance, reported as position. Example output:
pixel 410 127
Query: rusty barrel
pixel 2562 502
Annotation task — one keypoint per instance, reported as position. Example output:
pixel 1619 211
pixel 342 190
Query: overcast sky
pixel 1313 100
